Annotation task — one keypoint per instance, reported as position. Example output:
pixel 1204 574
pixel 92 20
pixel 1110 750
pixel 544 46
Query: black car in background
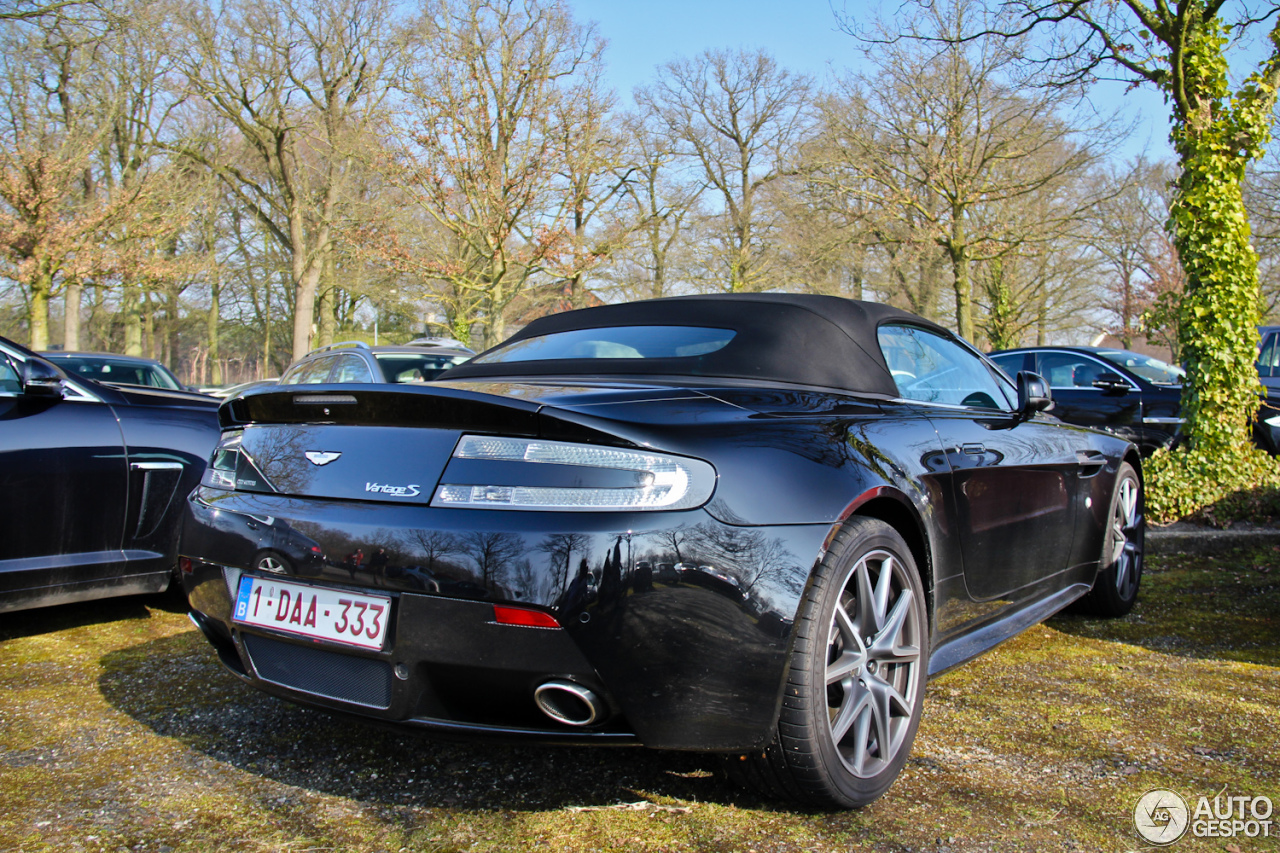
pixel 751 524
pixel 357 362
pixel 92 481
pixel 115 369
pixel 1134 396
pixel 1266 428
pixel 222 392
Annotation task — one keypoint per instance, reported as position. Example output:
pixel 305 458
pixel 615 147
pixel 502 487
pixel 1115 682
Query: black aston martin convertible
pixel 748 524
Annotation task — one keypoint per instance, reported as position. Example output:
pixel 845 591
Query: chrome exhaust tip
pixel 568 703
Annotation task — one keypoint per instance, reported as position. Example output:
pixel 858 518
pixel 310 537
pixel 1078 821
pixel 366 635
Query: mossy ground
pixel 120 731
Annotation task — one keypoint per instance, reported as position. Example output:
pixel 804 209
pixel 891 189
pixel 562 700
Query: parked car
pixel 95 477
pixel 1134 396
pixel 117 369
pixel 752 524
pixel 356 361
pixel 448 343
pixel 1266 427
pixel 223 392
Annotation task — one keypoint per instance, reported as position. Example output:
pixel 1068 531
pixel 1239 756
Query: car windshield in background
pixel 1151 369
pixel 614 342
pixel 414 367
pixel 117 372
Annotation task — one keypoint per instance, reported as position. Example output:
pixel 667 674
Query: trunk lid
pixel 379 443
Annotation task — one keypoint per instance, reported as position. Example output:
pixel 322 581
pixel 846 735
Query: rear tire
pixel 272 561
pixel 857 675
pixel 1115 590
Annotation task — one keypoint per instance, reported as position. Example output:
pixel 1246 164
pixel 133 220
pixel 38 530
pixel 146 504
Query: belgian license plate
pixel 320 613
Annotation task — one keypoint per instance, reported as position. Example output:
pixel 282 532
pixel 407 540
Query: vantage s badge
pixel 409 491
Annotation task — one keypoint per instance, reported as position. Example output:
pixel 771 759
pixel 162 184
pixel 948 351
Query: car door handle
pixel 1090 462
pixel 973 449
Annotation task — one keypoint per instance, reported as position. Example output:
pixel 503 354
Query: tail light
pixel 221 470
pixel 528 474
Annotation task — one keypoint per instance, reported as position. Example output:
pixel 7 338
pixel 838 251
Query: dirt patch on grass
pixel 119 731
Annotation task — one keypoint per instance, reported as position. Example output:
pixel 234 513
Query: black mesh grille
pixel 322 672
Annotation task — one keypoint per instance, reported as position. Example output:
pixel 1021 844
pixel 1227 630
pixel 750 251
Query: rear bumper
pixel 678 660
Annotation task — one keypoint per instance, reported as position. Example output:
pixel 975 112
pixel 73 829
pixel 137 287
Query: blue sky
pixel 803 35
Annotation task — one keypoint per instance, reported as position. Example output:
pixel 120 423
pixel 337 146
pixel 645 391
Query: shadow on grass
pixel 1215 608
pixel 175 686
pixel 61 617
pixel 1218 607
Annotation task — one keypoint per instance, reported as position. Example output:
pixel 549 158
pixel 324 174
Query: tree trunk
pixel 957 247
pixel 38 308
pixel 130 311
pixel 305 272
pixel 71 320
pixel 148 324
pixel 216 375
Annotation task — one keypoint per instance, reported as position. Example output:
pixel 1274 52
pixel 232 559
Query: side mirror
pixel 41 379
pixel 1111 383
pixel 1033 393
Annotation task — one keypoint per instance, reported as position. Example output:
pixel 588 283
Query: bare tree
pixel 593 171
pixel 302 82
pixel 738 118
pixel 133 73
pixel 478 153
pixel 1127 232
pixel 25 10
pixel 942 128
pixel 654 217
pixel 1262 197
pixel 53 216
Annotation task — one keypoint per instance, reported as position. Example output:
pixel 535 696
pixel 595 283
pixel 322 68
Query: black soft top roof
pixel 805 339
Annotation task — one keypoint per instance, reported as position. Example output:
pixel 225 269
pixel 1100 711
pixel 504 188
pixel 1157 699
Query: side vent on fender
pixel 154 484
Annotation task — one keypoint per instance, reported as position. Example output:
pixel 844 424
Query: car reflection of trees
pixel 743 564
pixel 436 561
pixel 560 549
pixel 276 456
pixel 493 553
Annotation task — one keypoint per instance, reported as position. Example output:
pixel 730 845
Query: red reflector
pixel 184 563
pixel 520 616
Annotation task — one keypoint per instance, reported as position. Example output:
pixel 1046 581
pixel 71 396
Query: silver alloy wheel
pixel 873 664
pixel 270 563
pixel 1125 540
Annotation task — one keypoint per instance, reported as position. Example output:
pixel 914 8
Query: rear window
pixel 618 342
pixel 411 367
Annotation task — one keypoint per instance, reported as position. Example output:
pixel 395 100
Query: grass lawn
pixel 120 731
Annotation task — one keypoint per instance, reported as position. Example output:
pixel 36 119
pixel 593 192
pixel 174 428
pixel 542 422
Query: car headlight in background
pixel 517 473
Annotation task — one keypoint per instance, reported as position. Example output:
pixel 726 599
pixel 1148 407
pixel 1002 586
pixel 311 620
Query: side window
pixel 1011 363
pixel 351 368
pixel 934 369
pixel 1068 370
pixel 1267 358
pixel 10 383
pixel 312 373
